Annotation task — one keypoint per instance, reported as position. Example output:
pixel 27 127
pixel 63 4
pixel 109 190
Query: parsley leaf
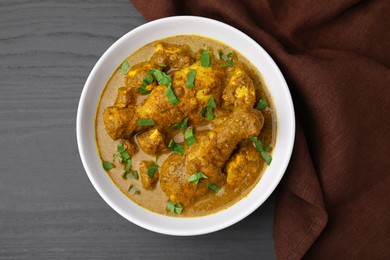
pixel 262 104
pixel 263 151
pixel 207 111
pixel 205 59
pixel 182 125
pixel 175 147
pixel 107 165
pixel 171 96
pixel 124 67
pixel 213 187
pixel 145 122
pixel 227 58
pixel 145 82
pixel 221 55
pixel 189 136
pixel 161 77
pixel 152 169
pixel 174 208
pixel 191 79
pixel 230 55
pixel 128 164
pixel 195 178
pixel 135 174
pixel 267 158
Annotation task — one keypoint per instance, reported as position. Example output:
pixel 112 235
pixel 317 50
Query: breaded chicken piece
pixel 244 166
pixel 148 177
pixel 152 142
pixel 208 155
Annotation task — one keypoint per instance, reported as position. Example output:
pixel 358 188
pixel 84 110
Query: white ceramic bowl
pixel 102 71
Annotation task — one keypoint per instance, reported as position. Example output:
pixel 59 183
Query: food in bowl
pixel 185 126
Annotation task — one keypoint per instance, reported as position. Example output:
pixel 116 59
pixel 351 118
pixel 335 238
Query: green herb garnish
pixel 165 79
pixel 189 136
pixel 221 55
pixel 227 58
pixel 230 63
pixel 152 169
pixel 127 164
pixel 182 125
pixel 262 104
pixel 135 174
pixel 162 65
pixel 191 79
pixel 205 58
pixel 171 96
pixel 213 187
pixel 207 111
pixel 136 190
pixel 124 67
pixel 145 122
pixel 107 165
pixel 263 151
pixel 195 178
pixel 161 77
pixel 174 208
pixel 124 175
pixel 125 157
pixel 145 82
pixel 175 147
pixel 121 154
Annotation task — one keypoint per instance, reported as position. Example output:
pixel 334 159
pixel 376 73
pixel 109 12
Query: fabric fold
pixel 333 201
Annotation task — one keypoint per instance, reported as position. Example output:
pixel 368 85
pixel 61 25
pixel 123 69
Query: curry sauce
pixel 185 126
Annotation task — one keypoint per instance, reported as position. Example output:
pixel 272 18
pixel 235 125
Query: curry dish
pixel 185 126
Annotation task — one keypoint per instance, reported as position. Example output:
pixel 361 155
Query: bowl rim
pixel 179 226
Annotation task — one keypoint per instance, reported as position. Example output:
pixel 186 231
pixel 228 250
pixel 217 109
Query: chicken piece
pixel 244 166
pixel 240 89
pixel 158 108
pixel 124 98
pixel 208 155
pixel 229 130
pixel 172 55
pixel 149 173
pixel 120 122
pixel 208 83
pixel 136 74
pixel 174 180
pixel 130 146
pixel 152 141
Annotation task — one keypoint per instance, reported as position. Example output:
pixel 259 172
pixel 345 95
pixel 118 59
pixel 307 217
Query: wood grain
pixel 48 208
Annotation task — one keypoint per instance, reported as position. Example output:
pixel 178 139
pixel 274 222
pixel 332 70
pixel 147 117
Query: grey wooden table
pixel 48 207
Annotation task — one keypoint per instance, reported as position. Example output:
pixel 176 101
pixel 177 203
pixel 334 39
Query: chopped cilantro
pixel 124 67
pixel 175 147
pixel 107 166
pixel 182 125
pixel 189 136
pixel 191 79
pixel 207 111
pixel 145 122
pixel 205 59
pixel 152 169
pixel 195 178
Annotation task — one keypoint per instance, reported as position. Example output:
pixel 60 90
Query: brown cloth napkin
pixel 334 200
